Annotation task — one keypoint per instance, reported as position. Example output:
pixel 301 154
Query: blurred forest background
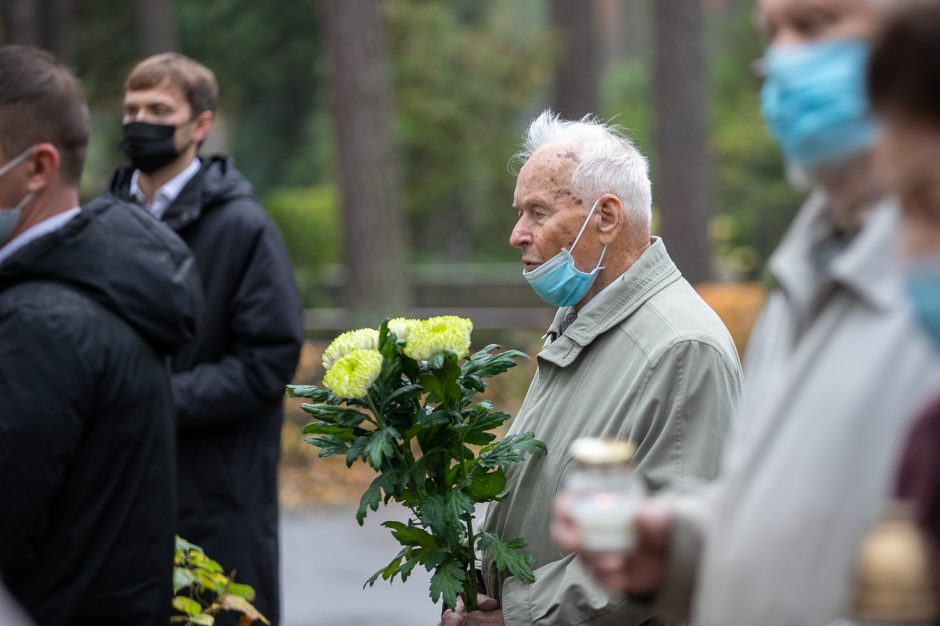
pixel 378 132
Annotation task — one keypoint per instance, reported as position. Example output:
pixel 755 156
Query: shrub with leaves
pixel 403 400
pixel 201 590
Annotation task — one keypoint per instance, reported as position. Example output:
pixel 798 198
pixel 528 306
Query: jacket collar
pixel 652 272
pixel 868 267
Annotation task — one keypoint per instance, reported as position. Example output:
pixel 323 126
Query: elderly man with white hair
pixel 633 353
pixel 835 370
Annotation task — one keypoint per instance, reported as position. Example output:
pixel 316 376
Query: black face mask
pixel 149 146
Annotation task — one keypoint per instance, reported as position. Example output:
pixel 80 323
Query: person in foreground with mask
pixel 835 371
pixel 633 353
pixel 904 86
pixel 228 384
pixel 92 302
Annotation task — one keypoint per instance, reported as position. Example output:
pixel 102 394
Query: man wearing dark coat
pixel 229 384
pixel 92 302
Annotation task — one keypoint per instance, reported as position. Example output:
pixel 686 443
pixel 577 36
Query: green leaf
pixel 407 392
pixel 335 414
pixel 203 619
pixel 474 382
pixel 479 422
pixel 388 571
pixel 379 446
pixel 441 382
pixel 408 535
pixel 386 481
pixel 511 449
pixel 357 449
pixel 438 417
pixel 436 362
pixel 488 486
pixel 485 365
pixel 391 358
pixel 186 605
pixel 434 514
pixel 343 433
pixel 311 392
pixel 329 445
pixel 182 578
pixel 508 556
pixel 447 581
pixel 242 590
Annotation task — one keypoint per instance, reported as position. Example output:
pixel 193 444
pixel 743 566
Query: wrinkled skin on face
pixel 551 211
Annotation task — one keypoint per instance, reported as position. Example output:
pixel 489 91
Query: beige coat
pixel 646 360
pixel 835 372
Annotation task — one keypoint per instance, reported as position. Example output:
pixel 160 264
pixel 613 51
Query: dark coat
pixel 88 314
pixel 229 383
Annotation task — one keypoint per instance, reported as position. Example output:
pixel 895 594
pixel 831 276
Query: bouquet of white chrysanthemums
pixel 401 398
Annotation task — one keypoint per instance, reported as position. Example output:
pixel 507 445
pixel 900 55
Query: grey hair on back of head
pixel 608 162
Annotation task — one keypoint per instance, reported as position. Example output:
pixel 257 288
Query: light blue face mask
pixel 558 281
pixel 10 216
pixel 923 288
pixel 814 101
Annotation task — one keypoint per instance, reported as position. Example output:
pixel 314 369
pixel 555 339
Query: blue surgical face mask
pixel 10 216
pixel 558 281
pixel 814 101
pixel 923 288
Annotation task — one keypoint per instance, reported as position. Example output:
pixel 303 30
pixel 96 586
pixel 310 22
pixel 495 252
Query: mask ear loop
pixel 581 232
pixel 19 159
pixel 584 225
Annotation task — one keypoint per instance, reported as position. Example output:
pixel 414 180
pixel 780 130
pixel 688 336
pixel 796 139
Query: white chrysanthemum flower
pixel 353 374
pixel 437 334
pixel 402 327
pixel 362 339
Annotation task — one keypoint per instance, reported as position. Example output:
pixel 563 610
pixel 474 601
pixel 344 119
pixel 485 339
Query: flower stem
pixel 470 588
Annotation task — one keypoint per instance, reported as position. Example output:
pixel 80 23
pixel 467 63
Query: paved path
pixel 326 557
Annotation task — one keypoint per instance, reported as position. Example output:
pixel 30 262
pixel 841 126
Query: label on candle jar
pixel 605 522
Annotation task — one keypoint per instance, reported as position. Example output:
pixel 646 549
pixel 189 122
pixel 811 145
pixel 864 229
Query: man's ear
pixel 610 208
pixel 42 166
pixel 202 126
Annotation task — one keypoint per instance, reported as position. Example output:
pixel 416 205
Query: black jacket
pixel 88 314
pixel 229 383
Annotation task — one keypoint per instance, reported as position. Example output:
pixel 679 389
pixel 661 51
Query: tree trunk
pixel 57 29
pixel 20 22
pixel 362 110
pixel 156 26
pixel 577 71
pixel 683 179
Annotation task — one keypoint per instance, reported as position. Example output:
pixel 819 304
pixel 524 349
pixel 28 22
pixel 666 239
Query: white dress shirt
pixel 167 193
pixel 36 231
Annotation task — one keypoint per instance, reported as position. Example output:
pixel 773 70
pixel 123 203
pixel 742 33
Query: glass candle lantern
pixel 893 585
pixel 603 493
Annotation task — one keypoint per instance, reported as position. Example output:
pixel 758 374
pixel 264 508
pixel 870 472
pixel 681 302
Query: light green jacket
pixel 835 373
pixel 646 360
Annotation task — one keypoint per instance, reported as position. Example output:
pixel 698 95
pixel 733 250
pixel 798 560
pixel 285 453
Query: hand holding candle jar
pixel 603 493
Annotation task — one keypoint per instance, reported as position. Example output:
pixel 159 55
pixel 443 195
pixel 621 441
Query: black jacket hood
pixel 121 257
pixel 217 183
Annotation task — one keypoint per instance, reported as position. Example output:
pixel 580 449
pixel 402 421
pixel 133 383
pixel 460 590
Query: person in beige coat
pixel 633 353
pixel 834 374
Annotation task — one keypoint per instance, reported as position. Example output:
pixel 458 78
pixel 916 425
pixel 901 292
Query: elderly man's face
pixel 798 22
pixel 909 159
pixel 550 210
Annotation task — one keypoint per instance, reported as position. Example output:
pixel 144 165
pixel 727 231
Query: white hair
pixel 607 161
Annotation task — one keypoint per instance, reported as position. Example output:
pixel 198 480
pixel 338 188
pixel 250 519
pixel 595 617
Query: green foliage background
pixel 468 75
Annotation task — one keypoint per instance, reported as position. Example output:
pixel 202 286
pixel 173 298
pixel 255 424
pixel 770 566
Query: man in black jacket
pixel 229 384
pixel 92 301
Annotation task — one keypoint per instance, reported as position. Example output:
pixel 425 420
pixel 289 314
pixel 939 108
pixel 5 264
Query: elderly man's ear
pixel 612 219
